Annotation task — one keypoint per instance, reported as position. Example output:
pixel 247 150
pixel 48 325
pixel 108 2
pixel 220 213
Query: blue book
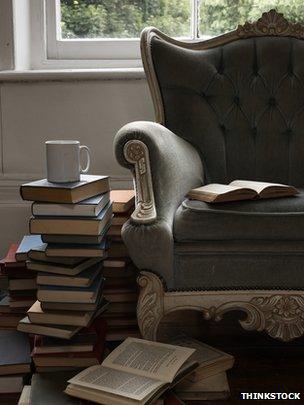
pixel 72 225
pixel 76 250
pixel 28 243
pixel 86 208
pixel 51 293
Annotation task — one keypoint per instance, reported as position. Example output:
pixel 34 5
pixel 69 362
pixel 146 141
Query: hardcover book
pixel 38 253
pixel 240 190
pixel 211 361
pixel 88 186
pixel 209 389
pixel 14 353
pixel 69 270
pixel 73 306
pixel 28 242
pixel 83 279
pixel 50 387
pixel 60 331
pixel 10 384
pixel 84 340
pixel 62 294
pixel 123 200
pixel 86 208
pixel 74 250
pixel 10 258
pixel 71 225
pixel 73 318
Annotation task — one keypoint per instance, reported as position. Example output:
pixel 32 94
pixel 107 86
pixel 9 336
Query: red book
pixel 10 260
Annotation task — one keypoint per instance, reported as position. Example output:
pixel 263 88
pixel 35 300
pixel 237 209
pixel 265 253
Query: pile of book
pixel 209 380
pixel 120 274
pixel 15 364
pixel 140 372
pixel 18 287
pixel 72 220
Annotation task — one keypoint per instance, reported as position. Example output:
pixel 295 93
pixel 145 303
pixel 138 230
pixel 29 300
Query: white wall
pixel 33 112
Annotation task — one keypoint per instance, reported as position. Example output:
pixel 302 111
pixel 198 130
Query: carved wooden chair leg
pixel 150 306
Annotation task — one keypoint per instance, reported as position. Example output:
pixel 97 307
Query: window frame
pixel 50 51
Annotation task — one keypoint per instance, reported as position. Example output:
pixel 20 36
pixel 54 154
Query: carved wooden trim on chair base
pixel 280 313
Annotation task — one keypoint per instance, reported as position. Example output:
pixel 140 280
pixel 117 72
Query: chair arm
pixel 165 168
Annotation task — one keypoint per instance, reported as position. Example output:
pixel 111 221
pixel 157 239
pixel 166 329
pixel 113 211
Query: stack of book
pixel 209 380
pixel 72 220
pixel 120 287
pixel 15 364
pixel 18 286
pixel 145 371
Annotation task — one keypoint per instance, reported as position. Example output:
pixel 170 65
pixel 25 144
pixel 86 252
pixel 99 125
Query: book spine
pixel 21 192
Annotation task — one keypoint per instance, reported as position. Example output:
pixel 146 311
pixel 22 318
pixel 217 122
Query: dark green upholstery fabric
pixel 240 104
pixel 271 219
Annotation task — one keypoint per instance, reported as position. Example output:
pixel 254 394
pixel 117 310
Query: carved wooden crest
pixel 271 23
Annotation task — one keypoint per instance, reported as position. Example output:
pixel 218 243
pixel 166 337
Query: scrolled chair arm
pixel 165 168
pixel 137 153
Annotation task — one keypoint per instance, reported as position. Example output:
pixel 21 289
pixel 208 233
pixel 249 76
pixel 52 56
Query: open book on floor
pixel 241 190
pixel 136 372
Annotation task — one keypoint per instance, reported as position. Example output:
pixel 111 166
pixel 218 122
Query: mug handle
pixel 88 152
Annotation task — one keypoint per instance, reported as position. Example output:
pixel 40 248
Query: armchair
pixel 231 107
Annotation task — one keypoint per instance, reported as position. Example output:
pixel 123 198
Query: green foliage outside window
pixel 126 18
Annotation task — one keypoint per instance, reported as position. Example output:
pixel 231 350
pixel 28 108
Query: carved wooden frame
pixel 279 313
pixel 137 153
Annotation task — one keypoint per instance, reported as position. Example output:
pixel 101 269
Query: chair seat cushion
pixel 268 219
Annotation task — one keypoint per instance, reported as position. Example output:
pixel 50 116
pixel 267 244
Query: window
pixel 95 33
pixel 109 29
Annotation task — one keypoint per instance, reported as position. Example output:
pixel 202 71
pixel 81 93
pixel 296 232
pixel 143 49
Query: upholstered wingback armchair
pixel 228 108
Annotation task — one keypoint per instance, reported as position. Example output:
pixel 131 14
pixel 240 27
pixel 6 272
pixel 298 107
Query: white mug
pixel 63 161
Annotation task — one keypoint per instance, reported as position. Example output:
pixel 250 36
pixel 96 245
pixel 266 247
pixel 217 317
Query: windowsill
pixel 72 74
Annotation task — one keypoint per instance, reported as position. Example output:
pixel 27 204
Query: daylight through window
pixel 83 19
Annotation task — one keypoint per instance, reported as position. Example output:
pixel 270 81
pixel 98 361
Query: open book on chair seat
pixel 136 372
pixel 240 190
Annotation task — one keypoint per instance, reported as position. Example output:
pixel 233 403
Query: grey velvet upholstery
pixel 176 168
pixel 270 219
pixel 234 111
pixel 240 104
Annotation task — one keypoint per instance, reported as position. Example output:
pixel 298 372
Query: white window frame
pixel 50 51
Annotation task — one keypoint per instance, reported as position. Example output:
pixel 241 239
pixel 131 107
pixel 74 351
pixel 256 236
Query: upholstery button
pixel 236 99
pixel 272 102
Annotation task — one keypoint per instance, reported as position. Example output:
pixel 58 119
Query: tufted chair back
pixel 238 98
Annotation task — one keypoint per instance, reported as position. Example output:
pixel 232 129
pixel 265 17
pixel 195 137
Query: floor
pixel 262 364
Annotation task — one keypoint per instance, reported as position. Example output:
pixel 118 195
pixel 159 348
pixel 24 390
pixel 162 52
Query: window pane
pixel 123 18
pixel 219 16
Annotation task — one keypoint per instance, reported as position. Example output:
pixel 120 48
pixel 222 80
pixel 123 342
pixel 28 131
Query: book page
pixel 116 382
pixel 216 189
pixel 150 359
pixel 258 186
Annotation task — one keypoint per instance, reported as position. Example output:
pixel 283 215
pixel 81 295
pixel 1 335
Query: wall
pixel 32 112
